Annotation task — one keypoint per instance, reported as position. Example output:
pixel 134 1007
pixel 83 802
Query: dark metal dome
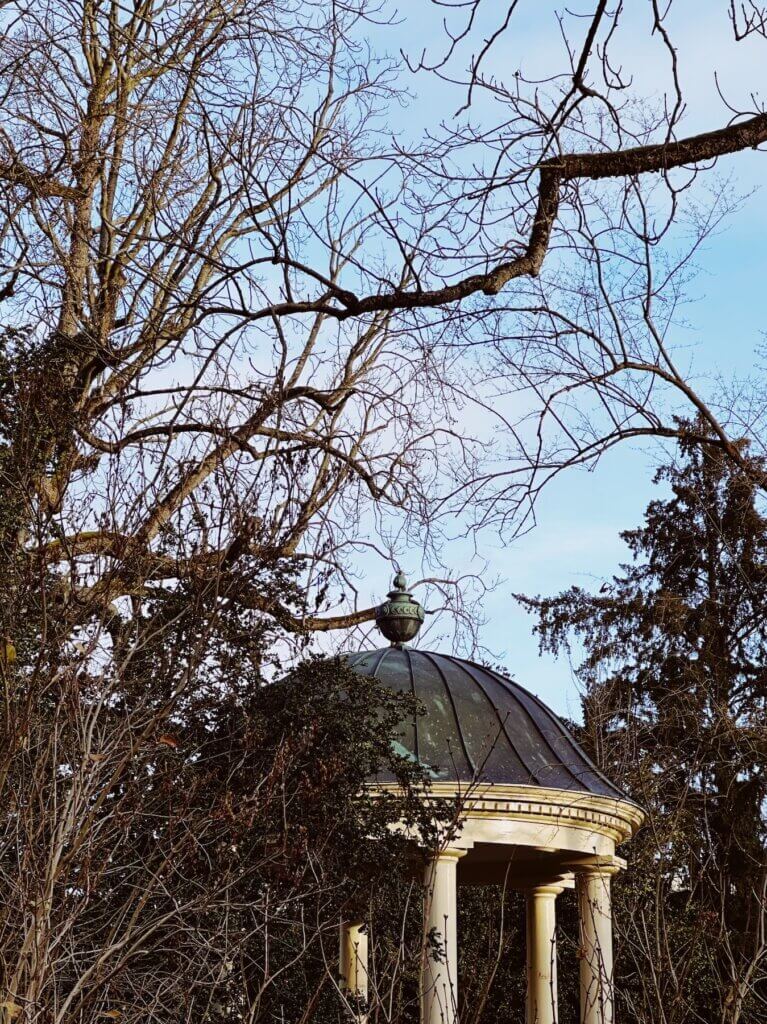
pixel 479 725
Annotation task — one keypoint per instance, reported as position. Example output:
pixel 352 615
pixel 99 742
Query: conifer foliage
pixel 675 677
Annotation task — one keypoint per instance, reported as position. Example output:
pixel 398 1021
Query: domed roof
pixel 480 726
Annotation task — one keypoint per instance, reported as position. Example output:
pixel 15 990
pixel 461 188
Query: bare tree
pixel 235 311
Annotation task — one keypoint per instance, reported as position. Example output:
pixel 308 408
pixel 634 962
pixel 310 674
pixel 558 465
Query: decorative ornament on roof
pixel 401 617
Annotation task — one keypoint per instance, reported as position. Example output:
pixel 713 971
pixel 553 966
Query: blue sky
pixel 579 518
pixel 576 539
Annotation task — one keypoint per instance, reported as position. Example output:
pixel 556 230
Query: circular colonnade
pixel 535 814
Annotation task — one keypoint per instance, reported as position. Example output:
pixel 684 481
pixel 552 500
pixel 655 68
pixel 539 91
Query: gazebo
pixel 535 813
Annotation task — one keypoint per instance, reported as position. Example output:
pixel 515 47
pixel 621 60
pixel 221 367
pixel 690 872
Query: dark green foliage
pixel 492 954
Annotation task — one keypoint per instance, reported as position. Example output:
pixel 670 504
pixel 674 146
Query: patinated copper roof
pixel 480 725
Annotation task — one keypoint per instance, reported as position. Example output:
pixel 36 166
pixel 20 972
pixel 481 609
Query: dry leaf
pixel 112 1014
pixel 168 741
pixel 10 652
pixel 11 1010
pixel 97 757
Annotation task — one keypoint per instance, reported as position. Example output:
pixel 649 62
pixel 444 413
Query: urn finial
pixel 399 618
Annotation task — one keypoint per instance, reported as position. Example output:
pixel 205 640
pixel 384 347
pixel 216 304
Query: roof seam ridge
pixel 522 760
pixel 556 758
pixel 432 658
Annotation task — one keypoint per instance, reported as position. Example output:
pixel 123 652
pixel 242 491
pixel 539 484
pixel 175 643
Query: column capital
pixel 548 889
pixel 597 867
pixel 603 871
pixel 449 853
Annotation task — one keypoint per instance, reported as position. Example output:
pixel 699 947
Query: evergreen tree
pixel 675 679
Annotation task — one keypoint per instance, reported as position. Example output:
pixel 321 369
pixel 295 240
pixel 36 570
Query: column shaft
pixel 542 954
pixel 353 964
pixel 596 954
pixel 439 972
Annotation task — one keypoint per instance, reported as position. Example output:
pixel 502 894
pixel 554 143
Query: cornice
pixel 618 819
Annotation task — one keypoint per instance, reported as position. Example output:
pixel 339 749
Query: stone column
pixel 439 969
pixel 596 952
pixel 542 954
pixel 353 965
